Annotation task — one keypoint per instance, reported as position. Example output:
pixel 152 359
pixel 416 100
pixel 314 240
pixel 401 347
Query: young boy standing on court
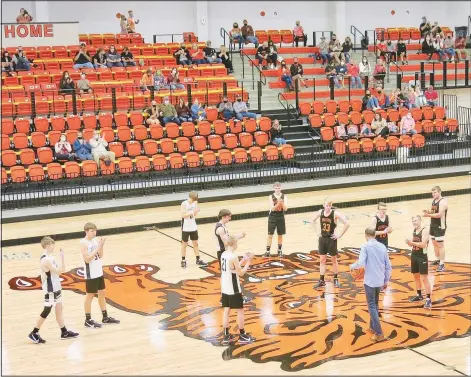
pixel 278 204
pixel 382 224
pixel 51 284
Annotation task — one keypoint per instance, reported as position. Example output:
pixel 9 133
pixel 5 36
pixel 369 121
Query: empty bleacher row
pixel 404 33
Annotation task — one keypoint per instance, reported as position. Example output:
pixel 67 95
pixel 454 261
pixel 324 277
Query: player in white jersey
pixel 92 252
pixel 231 292
pixel 189 210
pixel 51 284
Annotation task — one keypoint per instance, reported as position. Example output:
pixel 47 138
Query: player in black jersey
pixel 419 261
pixel 328 239
pixel 382 224
pixel 278 203
pixel 438 226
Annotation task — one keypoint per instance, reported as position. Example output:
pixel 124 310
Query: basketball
pixel 393 12
pixel 118 15
pixel 262 13
pixel 279 205
pixel 358 274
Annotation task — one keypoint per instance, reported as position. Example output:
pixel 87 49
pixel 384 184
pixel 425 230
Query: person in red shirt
pixel 354 73
pixel 197 55
pixel 24 17
pixel 383 99
pixel 382 49
pixel 460 47
pixel 431 96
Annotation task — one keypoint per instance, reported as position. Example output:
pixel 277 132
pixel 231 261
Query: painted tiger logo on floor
pixel 294 324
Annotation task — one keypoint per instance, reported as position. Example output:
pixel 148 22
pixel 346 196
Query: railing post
pixel 33 104
pixel 331 87
pixel 349 82
pixel 456 74
pixel 432 78
pixel 314 89
pixel 259 95
pixel 416 78
pixel 422 80
pixel 243 64
pixel 189 95
pixel 224 89
pixel 74 102
pixel 296 90
pixel 152 94
pixel 466 72
pixel 367 81
pixel 113 100
pixel 398 80
pixel 314 38
pixel 444 74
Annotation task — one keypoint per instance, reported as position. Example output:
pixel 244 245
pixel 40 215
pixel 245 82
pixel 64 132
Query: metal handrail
pixel 314 35
pixel 223 34
pixel 354 31
pixel 263 78
pixel 288 107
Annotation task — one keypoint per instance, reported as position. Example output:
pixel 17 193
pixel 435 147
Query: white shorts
pixel 53 298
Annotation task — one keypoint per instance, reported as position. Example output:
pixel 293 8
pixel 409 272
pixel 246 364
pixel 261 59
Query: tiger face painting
pixel 294 325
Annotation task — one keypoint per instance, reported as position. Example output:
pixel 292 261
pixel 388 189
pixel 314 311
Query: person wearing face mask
pixel 272 57
pixel 391 54
pixel 99 151
pixel 224 56
pixel 299 34
pixel 261 54
pixel 182 55
pixel 99 59
pixel 297 72
pixel 82 59
pixel 169 113
pixel 82 148
pixel 432 96
pixel 448 45
pixel 83 84
pixel 383 99
pixel 248 34
pixel 427 46
pixel 66 84
pixel 236 35
pixel 147 80
pixel 346 48
pixel 160 81
pixel 331 73
pixel 438 46
pixel 407 125
pixel 334 49
pixel 324 51
pixel 197 110
pixel 241 110
pixel 379 72
pixel 113 58
pixel 173 80
pixel 424 27
pixel 365 68
pixel 436 30
pixel 197 55
pixel 354 73
pixel 276 135
pixel 342 71
pixel 132 22
pixel 402 51
pixel 460 48
pixel 370 102
pixel 226 110
pixel 286 76
pixel 210 54
pixel 153 114
pixel 7 62
pixel 63 149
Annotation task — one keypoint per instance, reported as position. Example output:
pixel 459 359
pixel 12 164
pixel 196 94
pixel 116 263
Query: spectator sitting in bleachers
pixel 236 35
pixel 248 34
pixel 365 68
pixel 123 24
pixel 436 30
pixel 99 151
pixel 82 148
pixel 63 149
pixel 210 54
pixel 365 130
pixel 276 135
pixel 99 59
pixel 448 45
pixel 127 58
pixel 341 131
pixel 383 99
pixel 241 110
pixel 83 85
pixel 425 27
pixel 160 81
pixel 297 72
pixel 460 47
pixel 352 130
pixel 370 102
pixel 197 110
pixel 381 49
pixel 331 72
pixel 397 99
pixel 24 17
pixel 427 46
pixel 66 84
pixel 379 126
pixel 401 51
pixel 7 62
pixel 173 79
pixel 420 99
pixel 182 55
pixel 20 61
pixel 225 109
pixel 197 55
pixel 169 113
pixel 154 115
pixel 439 47
pixel 147 80
pixel 324 51
pixel 113 58
pixel 261 54
pixel 431 96
pixel 286 76
pixel 407 125
pixel 346 48
pixel 82 59
pixel 379 72
pixel 341 72
pixel 183 111
pixel 354 73
pixel 391 55
pixel 299 34
pixel 335 49
pixel 272 57
pixel 412 100
pixel 224 56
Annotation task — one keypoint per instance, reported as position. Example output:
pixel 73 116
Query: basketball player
pixel 51 285
pixel 221 232
pixel 419 261
pixel 382 224
pixel 92 252
pixel 276 218
pixel 438 226
pixel 328 239
pixel 231 292
pixel 190 210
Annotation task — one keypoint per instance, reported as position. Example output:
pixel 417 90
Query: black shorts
pixel 437 234
pixel 52 298
pixel 232 301
pixel 419 263
pixel 189 235
pixel 384 241
pixel 219 253
pixel 95 285
pixel 327 246
pixel 276 223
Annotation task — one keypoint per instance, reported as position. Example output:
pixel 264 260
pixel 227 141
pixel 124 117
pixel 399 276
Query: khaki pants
pixel 460 51
pixel 97 155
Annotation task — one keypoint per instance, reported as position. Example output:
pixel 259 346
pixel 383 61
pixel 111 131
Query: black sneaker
pixel 246 338
pixel 36 338
pixel 201 263
pixel 280 253
pixel 91 323
pixel 428 303
pixel 69 334
pixel 379 314
pixel 320 283
pixel 267 254
pixel 336 283
pixel 183 264
pixel 228 339
pixel 416 298
pixel 435 263
pixel 110 320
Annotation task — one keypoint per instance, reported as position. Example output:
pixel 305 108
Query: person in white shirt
pixel 189 210
pixel 51 286
pixel 99 151
pixel 92 252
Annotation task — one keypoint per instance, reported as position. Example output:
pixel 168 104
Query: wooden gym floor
pixel 297 328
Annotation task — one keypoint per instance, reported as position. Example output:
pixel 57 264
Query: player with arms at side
pixel 231 291
pixel 189 210
pixel 92 252
pixel 51 284
pixel 419 261
pixel 437 216
pixel 329 219
pixel 382 224
pixel 278 204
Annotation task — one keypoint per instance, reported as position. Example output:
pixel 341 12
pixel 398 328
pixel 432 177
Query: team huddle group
pixel 373 258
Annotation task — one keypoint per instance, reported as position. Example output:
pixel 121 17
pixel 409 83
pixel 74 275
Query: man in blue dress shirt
pixel 374 258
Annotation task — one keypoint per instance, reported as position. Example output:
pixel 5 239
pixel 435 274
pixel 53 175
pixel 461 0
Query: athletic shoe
pixel 320 283
pixel 435 263
pixel 220 301
pixel 91 323
pixel 267 254
pixel 428 304
pixel 377 338
pixel 183 264
pixel 245 299
pixel 246 338
pixel 379 314
pixel 280 254
pixel 201 263
pixel 416 298
pixel 36 338
pixel 441 268
pixel 336 283
pixel 110 320
pixel 69 334
pixel 228 339
pixel 370 331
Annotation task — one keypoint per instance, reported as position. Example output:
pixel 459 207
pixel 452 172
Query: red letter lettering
pixel 35 31
pixel 22 31
pixel 9 29
pixel 48 31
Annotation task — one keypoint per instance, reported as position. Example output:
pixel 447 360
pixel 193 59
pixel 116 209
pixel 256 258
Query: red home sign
pixel 28 31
